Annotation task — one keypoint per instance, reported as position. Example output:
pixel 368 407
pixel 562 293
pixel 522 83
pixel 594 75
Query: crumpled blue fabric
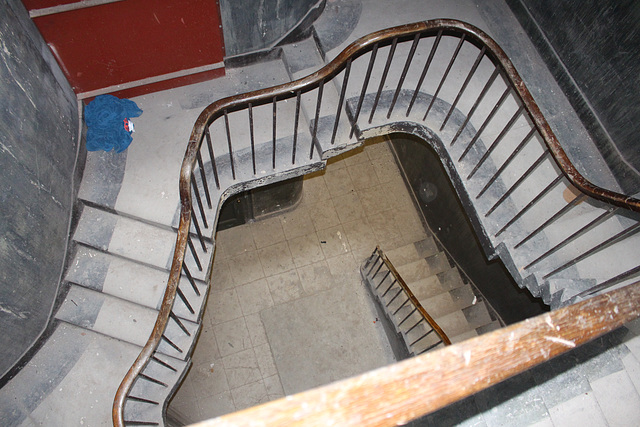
pixel 105 121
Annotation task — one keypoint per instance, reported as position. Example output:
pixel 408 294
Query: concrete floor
pixel 288 311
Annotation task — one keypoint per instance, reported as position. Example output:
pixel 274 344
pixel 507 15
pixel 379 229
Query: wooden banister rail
pixel 396 394
pixel 434 325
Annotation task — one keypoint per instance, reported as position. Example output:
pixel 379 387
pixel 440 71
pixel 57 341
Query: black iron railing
pixel 445 78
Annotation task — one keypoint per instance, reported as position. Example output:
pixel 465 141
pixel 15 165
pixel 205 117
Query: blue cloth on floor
pixel 105 117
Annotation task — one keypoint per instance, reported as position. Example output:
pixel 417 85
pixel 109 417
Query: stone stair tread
pixel 403 255
pixel 477 315
pixel 74 365
pixel 439 305
pixel 463 296
pixel 454 323
pixel 426 247
pixel 426 287
pixel 426 267
pixel 450 279
pixel 132 281
pixel 463 336
pixel 122 320
pixel 132 239
pixel 489 327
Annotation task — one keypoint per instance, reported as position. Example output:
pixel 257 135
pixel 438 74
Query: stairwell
pixel 125 237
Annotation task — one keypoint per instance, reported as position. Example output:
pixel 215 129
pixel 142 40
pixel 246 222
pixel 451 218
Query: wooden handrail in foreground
pixel 434 325
pixel 396 394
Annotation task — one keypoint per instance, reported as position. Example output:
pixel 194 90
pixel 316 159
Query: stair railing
pixel 235 161
pixel 397 299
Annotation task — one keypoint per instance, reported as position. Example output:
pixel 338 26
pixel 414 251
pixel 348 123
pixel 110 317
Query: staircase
pixel 555 240
pixel 450 303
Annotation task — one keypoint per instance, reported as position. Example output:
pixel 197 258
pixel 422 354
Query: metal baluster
pixel 190 278
pixel 153 380
pixel 343 91
pixel 415 325
pixel 610 282
pixel 367 76
pixel 141 400
pixel 393 282
pixel 163 363
pixel 199 201
pixel 383 79
pixel 275 109
pixel 408 315
pixel 198 232
pixel 530 204
pixel 511 189
pixel 252 137
pixel 184 300
pixel 295 128
pixel 444 76
pixel 464 86
pixel 421 338
pixel 486 122
pixel 400 308
pixel 226 125
pixel 204 179
pixel 496 142
pixel 214 167
pixel 317 119
pixel 385 278
pixel 403 75
pixel 507 162
pixel 394 297
pixel 193 252
pixel 424 72
pixel 610 241
pixel 592 224
pixel 375 262
pixel 180 324
pixel 554 217
pixel 475 105
pixel 171 343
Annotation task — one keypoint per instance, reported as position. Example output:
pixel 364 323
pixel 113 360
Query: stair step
pixel 302 58
pixel 135 240
pixel 426 247
pixel 426 287
pixel 455 323
pixel 439 305
pixel 477 315
pixel 429 266
pixel 71 380
pixel 147 397
pixel 463 336
pixel 124 320
pixel 450 279
pixel 132 281
pixel 403 255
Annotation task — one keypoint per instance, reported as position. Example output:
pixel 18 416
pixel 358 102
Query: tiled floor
pixel 264 266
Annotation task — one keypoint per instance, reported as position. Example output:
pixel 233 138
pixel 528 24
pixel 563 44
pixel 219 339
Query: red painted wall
pixel 131 40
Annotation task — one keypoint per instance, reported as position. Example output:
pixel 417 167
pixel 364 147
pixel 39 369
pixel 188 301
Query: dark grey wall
pixel 38 146
pixel 592 48
pixel 446 217
pixel 252 25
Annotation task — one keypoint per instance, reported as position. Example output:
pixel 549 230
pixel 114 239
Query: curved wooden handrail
pixel 310 82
